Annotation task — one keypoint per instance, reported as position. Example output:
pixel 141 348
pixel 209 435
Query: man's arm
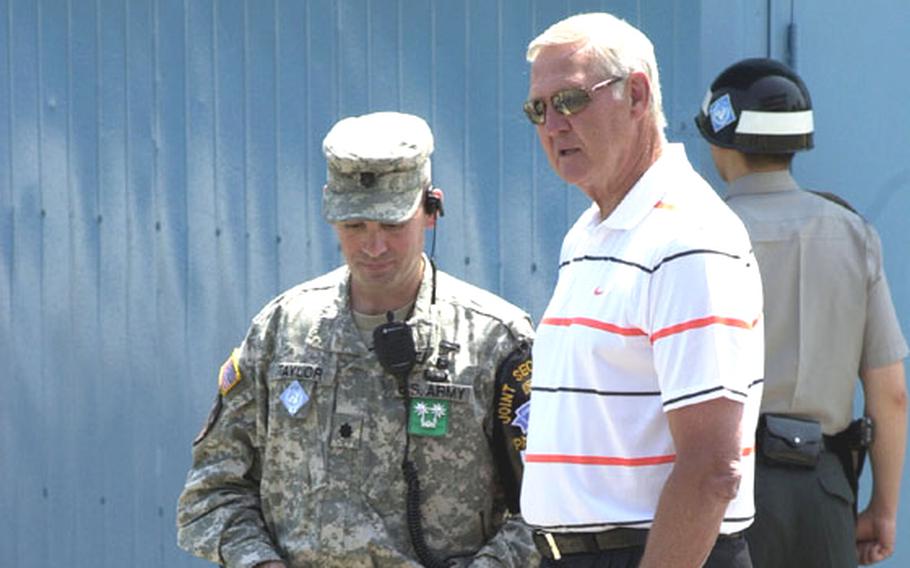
pixel 511 547
pixel 705 478
pixel 218 514
pixel 885 392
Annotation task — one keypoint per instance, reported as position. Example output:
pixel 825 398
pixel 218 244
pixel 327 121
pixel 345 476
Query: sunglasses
pixel 566 102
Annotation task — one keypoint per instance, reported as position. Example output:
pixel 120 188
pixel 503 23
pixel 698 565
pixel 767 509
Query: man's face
pixel 587 149
pixel 384 258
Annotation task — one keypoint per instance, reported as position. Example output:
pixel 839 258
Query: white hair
pixel 618 47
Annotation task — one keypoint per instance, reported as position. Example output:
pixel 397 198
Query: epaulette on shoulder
pixel 837 199
pixel 326 282
pixel 480 301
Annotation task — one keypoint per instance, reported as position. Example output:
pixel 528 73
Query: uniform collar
pixel 335 330
pixel 649 190
pixel 762 182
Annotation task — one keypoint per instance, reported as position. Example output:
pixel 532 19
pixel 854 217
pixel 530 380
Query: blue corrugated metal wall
pixel 160 177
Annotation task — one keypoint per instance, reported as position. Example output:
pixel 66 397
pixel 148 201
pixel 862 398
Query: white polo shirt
pixel 657 307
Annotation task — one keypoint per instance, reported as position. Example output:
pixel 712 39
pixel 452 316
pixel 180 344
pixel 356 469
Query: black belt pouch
pixel 785 440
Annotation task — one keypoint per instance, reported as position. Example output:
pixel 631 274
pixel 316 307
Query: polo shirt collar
pixel 650 188
pixel 762 182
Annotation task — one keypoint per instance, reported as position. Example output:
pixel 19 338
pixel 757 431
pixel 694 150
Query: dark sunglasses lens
pixel 570 101
pixel 536 111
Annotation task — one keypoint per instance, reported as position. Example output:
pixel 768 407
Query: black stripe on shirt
pixel 714 389
pixel 594 391
pixel 643 268
pixel 579 390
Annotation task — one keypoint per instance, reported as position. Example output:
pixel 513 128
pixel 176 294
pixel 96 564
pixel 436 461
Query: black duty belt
pixel 556 545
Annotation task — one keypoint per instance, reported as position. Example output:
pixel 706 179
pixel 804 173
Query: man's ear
pixel 639 93
pixel 437 195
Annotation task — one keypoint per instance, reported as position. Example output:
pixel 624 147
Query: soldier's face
pixel 384 258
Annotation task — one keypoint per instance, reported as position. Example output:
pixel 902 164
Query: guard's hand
pixel 875 536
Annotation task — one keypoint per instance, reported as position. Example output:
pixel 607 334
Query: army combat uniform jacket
pixel 301 457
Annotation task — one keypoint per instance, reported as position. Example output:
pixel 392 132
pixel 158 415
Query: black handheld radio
pixel 393 344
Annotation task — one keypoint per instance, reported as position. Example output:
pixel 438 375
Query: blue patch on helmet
pixel 721 112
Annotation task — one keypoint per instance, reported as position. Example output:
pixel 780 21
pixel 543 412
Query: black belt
pixel 556 545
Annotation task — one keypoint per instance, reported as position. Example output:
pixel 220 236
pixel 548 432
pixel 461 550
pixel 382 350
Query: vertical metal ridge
pixel 276 107
pixel 307 113
pixel 369 54
pixel 399 53
pixel 466 123
pixel 500 147
pixel 12 137
pixel 69 150
pixel 156 42
pixel 433 67
pixel 247 252
pixel 98 263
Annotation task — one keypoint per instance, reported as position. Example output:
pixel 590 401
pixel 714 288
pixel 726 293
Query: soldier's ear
pixel 432 205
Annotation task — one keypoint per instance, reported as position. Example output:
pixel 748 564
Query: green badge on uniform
pixel 428 417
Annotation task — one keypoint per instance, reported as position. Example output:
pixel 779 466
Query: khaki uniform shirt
pixel 322 485
pixel 828 309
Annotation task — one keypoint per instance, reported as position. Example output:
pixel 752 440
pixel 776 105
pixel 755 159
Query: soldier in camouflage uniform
pixel 301 460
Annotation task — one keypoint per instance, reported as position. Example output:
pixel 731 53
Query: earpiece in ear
pixel 432 204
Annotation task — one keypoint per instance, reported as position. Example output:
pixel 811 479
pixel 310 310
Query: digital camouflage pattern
pixel 378 167
pixel 321 484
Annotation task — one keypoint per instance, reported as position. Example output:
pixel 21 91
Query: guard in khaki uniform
pixel 373 416
pixel 828 320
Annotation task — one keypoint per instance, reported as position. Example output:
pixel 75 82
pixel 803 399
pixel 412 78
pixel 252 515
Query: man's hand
pixel 885 392
pixel 875 536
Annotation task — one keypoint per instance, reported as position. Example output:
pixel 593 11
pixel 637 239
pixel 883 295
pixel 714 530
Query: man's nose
pixel 374 243
pixel 555 120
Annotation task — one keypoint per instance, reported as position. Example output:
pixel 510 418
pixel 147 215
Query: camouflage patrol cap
pixel 378 167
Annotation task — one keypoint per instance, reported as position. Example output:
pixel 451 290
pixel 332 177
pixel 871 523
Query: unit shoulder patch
pixel 512 404
pixel 229 375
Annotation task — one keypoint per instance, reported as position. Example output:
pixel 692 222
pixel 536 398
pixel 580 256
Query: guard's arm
pixel 218 514
pixel 885 393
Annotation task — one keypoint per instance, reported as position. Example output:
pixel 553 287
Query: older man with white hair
pixel 648 360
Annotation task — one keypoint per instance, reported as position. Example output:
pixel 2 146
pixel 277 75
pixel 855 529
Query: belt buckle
pixel 553 548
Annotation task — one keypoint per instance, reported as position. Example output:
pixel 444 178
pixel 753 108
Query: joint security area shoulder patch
pixel 512 403
pixel 229 375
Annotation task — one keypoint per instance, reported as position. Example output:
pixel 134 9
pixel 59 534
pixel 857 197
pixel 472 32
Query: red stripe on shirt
pixel 700 322
pixel 608 460
pixel 598 460
pixel 588 322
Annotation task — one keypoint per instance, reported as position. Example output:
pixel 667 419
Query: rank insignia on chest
pixel 428 417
